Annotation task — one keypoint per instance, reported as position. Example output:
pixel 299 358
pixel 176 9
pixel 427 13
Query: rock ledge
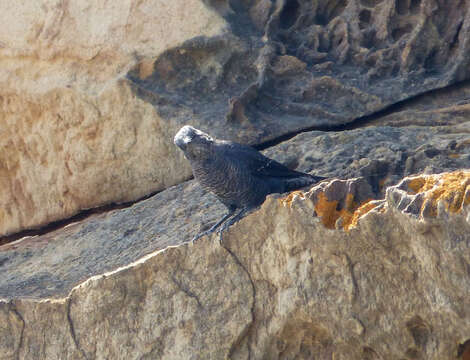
pixel 282 285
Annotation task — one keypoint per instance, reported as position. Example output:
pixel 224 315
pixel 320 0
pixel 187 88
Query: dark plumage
pixel 238 175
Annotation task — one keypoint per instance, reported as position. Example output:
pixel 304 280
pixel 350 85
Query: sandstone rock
pixel 72 133
pixel 444 107
pixel 393 287
pixel 55 262
pixel 366 265
pixel 383 155
pixel 54 164
pixel 348 59
pixel 51 264
pixel 282 285
pixel 88 89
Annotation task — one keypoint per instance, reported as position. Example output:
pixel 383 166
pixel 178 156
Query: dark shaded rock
pixel 383 155
pixel 51 264
pixel 449 106
pixel 297 64
pixel 282 285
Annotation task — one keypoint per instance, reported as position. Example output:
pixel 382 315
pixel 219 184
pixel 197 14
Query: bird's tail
pixel 301 181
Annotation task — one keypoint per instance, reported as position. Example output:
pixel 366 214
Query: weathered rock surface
pixel 279 290
pixel 72 133
pixel 51 264
pixel 92 93
pixel 294 64
pixel 281 286
pixel 367 265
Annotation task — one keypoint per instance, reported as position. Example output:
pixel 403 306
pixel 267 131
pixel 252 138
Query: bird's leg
pixel 213 227
pixel 233 220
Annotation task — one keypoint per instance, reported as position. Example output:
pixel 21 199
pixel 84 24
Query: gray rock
pixel 290 65
pixel 283 286
pixel 50 265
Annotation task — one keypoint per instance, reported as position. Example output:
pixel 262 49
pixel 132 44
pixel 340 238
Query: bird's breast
pixel 232 184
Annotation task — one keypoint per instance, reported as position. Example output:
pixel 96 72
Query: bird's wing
pixel 258 164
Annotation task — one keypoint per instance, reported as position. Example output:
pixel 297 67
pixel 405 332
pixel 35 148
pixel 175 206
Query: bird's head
pixel 195 143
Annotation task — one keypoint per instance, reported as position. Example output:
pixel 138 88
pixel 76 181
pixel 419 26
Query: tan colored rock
pixel 85 45
pixel 149 313
pixel 73 135
pixel 92 92
pixel 59 258
pixel 286 65
pixel 281 286
pixel 73 152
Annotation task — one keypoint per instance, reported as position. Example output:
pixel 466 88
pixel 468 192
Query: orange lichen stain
pixel 347 212
pixel 454 156
pixel 329 214
pixel 326 210
pixel 453 189
pixel 421 184
pixel 362 210
pixel 457 190
pixel 287 201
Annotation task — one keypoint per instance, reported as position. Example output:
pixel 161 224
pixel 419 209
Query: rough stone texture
pixel 281 286
pixel 51 264
pixel 72 133
pixel 91 92
pixel 383 155
pixel 394 287
pixel 154 313
pixel 366 265
pixel 444 107
pixel 288 65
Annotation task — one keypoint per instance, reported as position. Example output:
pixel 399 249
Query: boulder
pixel 73 134
pixel 92 93
pixel 390 284
pixel 370 264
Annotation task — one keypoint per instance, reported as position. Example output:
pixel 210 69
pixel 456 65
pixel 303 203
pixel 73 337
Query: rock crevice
pixel 370 264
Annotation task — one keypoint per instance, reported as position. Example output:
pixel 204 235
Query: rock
pixel 83 86
pixel 378 289
pixel 391 286
pixel 73 134
pixel 445 107
pixel 55 262
pixel 383 155
pixel 370 264
pixel 61 259
pixel 183 303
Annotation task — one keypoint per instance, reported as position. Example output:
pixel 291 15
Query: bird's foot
pixel 222 225
pixel 213 228
pixel 233 220
pixel 198 236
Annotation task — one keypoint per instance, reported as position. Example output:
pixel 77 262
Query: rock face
pixel 72 133
pixel 371 264
pixel 54 262
pixel 281 286
pixel 91 94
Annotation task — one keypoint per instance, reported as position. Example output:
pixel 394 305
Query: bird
pixel 238 175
